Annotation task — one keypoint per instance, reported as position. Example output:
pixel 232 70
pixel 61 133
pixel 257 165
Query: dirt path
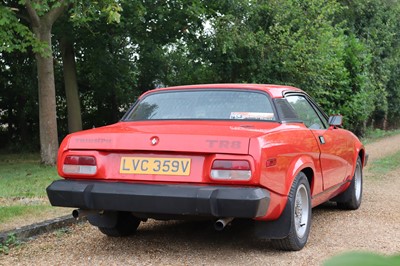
pixel 374 227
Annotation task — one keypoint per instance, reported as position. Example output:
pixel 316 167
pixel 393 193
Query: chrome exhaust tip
pixel 220 224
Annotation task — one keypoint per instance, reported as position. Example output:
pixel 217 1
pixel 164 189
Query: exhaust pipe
pixel 80 214
pixel 220 224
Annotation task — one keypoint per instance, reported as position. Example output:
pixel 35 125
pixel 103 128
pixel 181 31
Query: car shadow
pixel 181 236
pixel 185 236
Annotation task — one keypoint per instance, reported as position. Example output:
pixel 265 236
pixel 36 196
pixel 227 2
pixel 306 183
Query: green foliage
pixel 18 102
pixel 114 12
pixel 375 24
pixel 15 34
pixel 343 53
pixel 363 258
pixel 319 46
pixel 309 50
pixel 84 12
pixel 10 241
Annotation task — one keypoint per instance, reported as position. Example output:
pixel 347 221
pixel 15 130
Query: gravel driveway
pixel 374 227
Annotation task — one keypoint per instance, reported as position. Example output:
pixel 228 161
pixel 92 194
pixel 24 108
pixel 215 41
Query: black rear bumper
pixel 179 200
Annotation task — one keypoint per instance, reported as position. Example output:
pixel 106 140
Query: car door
pixel 332 142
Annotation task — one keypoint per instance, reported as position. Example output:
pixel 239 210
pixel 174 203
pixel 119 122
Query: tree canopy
pixel 343 53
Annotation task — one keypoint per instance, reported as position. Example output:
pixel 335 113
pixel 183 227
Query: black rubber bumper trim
pixel 216 201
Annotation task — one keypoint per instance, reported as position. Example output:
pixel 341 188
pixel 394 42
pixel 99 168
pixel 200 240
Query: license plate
pixel 155 166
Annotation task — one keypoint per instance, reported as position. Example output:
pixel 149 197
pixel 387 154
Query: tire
pixel 353 194
pixel 300 204
pixel 126 225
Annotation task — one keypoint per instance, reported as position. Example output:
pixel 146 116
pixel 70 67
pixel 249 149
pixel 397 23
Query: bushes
pixel 343 53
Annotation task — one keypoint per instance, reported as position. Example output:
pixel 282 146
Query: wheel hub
pixel 298 210
pixel 301 211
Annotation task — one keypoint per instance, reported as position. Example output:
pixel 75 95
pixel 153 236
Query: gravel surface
pixel 374 227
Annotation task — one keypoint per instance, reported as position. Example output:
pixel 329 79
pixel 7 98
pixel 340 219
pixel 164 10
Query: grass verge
pixel 384 165
pixel 23 182
pixel 373 135
pixel 11 212
pixel 22 175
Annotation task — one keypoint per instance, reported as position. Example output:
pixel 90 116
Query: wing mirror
pixel 335 120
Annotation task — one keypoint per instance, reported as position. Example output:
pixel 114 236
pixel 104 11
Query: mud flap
pixel 277 229
pixel 345 195
pixel 107 219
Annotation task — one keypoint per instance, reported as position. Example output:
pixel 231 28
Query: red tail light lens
pixel 81 165
pixel 80 160
pixel 231 170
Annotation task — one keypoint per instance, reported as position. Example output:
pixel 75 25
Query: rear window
pixel 203 105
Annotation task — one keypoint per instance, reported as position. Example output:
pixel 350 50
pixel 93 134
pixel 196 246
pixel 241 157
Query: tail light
pixel 81 165
pixel 230 170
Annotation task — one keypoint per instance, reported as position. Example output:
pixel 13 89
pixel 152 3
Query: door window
pixel 306 112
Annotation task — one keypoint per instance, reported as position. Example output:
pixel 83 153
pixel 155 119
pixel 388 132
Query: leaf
pixel 361 258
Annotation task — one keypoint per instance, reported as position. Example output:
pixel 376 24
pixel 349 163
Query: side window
pixel 323 119
pixel 305 112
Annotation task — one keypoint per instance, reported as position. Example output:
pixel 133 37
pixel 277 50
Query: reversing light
pixel 231 170
pixel 81 165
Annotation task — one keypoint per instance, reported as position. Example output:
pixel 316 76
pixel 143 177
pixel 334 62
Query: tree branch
pixel 35 20
pixel 54 13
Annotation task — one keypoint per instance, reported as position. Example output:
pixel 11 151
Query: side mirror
pixel 335 120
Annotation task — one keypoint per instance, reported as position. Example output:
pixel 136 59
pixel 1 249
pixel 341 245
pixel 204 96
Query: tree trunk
pixel 71 85
pixel 47 99
pixel 41 27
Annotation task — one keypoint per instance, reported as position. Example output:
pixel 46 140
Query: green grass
pixel 363 258
pixel 22 175
pixel 376 134
pixel 11 212
pixel 23 182
pixel 385 165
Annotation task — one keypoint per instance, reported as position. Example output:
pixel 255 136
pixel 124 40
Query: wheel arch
pixel 360 153
pixel 281 228
pixel 303 164
pixel 309 172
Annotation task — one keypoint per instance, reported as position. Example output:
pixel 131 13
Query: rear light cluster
pixel 231 170
pixel 81 165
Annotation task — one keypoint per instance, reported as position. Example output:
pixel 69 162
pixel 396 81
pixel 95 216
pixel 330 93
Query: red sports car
pixel 266 153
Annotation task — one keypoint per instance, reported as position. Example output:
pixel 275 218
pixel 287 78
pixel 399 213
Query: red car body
pixel 175 155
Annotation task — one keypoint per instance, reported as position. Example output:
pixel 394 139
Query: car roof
pixel 275 91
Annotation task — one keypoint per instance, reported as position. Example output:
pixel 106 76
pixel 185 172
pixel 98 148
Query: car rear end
pixel 168 178
pixel 171 157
